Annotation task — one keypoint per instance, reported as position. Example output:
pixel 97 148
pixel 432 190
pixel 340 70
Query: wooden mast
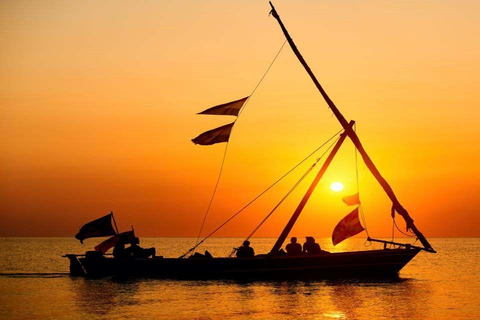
pixel 296 214
pixel 396 206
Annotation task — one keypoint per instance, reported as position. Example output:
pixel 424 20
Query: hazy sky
pixel 98 103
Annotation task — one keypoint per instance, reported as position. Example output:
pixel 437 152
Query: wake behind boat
pixel 307 263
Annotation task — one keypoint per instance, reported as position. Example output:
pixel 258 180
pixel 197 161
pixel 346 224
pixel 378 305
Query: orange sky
pixel 98 103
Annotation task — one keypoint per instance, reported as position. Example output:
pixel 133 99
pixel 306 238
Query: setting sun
pixel 336 186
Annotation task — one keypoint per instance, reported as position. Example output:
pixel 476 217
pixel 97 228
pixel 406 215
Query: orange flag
pixel 227 109
pixel 112 241
pixel 352 200
pixel 347 227
pixel 217 135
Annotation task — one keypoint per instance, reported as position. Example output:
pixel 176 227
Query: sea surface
pixel 34 284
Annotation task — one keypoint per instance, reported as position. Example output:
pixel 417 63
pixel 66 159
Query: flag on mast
pixel 347 227
pixel 220 134
pixel 352 200
pixel 217 135
pixel 227 109
pixel 101 227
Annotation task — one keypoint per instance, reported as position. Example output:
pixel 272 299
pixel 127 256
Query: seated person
pixel 311 247
pixel 138 252
pixel 294 248
pixel 245 251
pixel 119 249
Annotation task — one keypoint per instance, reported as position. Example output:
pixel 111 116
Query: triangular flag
pixel 227 109
pixel 352 200
pixel 347 227
pixel 217 135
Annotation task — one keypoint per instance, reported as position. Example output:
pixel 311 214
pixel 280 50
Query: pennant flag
pixel 227 109
pixel 347 227
pixel 97 228
pixel 352 200
pixel 217 135
pixel 112 241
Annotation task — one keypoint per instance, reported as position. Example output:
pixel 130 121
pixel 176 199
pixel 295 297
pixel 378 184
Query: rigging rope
pixel 226 146
pixel 393 229
pixel 291 190
pixel 213 194
pixel 405 234
pixel 362 213
pixel 259 195
pixel 263 77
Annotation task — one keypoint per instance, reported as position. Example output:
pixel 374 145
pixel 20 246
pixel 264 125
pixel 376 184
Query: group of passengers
pixel 310 247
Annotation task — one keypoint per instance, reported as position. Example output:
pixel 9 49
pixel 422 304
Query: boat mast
pixel 356 141
pixel 296 214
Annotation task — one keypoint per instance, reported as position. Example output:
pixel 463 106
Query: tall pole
pixel 396 206
pixel 306 197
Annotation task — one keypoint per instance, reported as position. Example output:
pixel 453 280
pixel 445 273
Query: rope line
pixel 263 77
pixel 393 229
pixel 362 213
pixel 405 234
pixel 213 194
pixel 226 147
pixel 259 195
pixel 291 190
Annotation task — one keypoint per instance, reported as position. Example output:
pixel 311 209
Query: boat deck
pixel 345 264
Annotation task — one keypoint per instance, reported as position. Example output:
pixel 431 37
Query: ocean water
pixel 34 284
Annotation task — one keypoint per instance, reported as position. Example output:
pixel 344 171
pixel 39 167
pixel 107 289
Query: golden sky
pixel 98 103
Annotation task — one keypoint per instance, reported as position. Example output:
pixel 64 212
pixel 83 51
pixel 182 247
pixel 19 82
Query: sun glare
pixel 336 186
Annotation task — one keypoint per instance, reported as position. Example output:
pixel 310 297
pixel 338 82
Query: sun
pixel 336 186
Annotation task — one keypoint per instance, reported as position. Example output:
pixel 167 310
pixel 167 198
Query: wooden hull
pixel 376 263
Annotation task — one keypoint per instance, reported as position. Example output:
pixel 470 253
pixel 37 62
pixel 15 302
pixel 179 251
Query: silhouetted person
pixel 119 249
pixel 138 252
pixel 311 247
pixel 245 251
pixel 294 248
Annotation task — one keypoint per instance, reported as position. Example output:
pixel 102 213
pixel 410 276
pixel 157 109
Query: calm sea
pixel 34 284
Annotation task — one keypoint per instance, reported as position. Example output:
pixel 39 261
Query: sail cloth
pixel 101 227
pixel 352 200
pixel 112 241
pixel 217 135
pixel 347 227
pixel 220 134
pixel 227 109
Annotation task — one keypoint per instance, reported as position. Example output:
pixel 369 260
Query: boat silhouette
pixel 386 262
